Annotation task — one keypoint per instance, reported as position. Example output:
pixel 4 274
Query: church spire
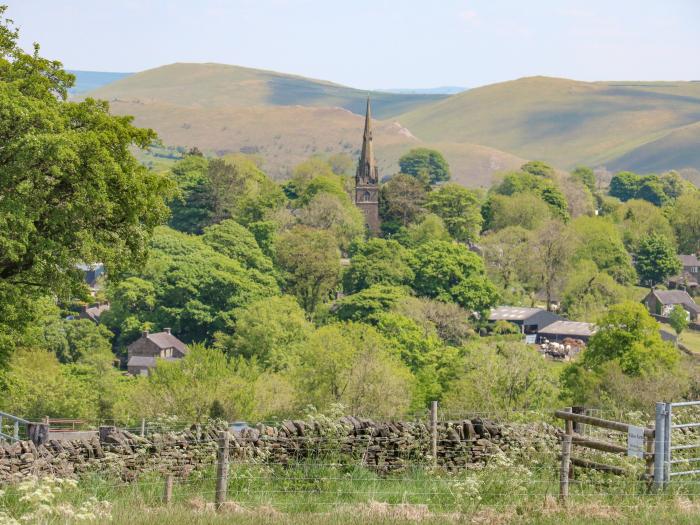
pixel 367 178
pixel 367 168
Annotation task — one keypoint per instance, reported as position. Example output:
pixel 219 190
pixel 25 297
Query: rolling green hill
pixel 282 118
pixel 642 126
pixel 645 126
pixel 219 85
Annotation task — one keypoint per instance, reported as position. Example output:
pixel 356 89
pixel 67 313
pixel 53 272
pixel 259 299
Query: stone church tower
pixel 367 178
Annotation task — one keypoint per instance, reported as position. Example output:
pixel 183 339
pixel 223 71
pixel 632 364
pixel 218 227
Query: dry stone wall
pixel 385 446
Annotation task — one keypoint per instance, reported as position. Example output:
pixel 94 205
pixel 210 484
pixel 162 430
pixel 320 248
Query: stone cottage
pixel 143 352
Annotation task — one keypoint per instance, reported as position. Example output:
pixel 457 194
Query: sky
pixel 379 43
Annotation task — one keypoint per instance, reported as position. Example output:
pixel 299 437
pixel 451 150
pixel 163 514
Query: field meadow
pixel 505 490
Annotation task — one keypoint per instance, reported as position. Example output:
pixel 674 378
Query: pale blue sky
pixel 377 43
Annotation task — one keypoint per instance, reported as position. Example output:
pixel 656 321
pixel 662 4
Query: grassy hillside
pixel 635 125
pixel 283 118
pixel 219 85
pixel 284 136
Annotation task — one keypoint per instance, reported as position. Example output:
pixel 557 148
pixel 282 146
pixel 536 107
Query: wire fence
pixel 315 473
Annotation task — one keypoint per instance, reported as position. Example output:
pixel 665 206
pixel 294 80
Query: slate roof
pixel 572 328
pixel 167 340
pixel 689 260
pixel 513 313
pixel 677 297
pixel 142 360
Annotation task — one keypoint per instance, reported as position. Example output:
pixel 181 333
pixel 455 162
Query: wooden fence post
pixel 143 426
pixel 168 489
pixel 222 469
pixel 564 469
pixel 569 428
pixel 649 453
pixel 433 431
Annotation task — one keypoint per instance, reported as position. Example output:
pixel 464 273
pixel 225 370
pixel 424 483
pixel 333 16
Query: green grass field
pixel 691 340
pixel 309 492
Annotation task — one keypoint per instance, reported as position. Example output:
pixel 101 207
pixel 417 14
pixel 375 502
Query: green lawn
pixel 691 339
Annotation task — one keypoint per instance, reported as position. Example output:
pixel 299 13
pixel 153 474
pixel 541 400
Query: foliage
pixel 658 190
pixel 638 219
pixel 268 330
pixel 495 378
pixel 678 319
pixel 628 335
pixel 81 340
pixel 186 286
pixel 460 210
pixel 450 272
pixel 354 365
pixel 429 228
pixel 310 262
pixel 192 211
pixel 505 254
pixel 589 292
pixel 38 385
pixel 599 241
pixel 585 175
pixel 685 219
pixel 656 259
pixel 71 190
pixel 524 210
pixel 240 190
pixel 543 187
pixel 447 320
pixel 234 241
pixel 402 201
pixel 335 214
pixel 425 164
pixel 377 261
pixel 551 256
pixel 366 304
pixel 538 168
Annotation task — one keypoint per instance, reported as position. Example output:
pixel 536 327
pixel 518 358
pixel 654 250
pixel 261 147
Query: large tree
pixel 71 190
pixel 656 259
pixel 460 210
pixel 425 164
pixel 310 262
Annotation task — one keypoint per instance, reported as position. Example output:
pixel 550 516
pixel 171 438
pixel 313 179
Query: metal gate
pixel 682 459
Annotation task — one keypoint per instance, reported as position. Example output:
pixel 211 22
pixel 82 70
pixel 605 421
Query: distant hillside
pixel 646 126
pixel 282 118
pixel 88 80
pixel 219 85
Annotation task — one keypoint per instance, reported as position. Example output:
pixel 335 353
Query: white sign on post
pixel 635 442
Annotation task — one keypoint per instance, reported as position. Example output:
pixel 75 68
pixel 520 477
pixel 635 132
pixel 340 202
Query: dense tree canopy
pixel 656 260
pixel 425 164
pixel 186 286
pixel 460 210
pixel 70 189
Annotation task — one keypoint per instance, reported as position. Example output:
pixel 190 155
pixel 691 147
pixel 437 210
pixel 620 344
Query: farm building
pixel 560 330
pixel 529 320
pixel 661 302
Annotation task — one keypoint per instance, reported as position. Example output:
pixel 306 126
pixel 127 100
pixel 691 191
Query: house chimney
pixel 166 330
pixel 144 333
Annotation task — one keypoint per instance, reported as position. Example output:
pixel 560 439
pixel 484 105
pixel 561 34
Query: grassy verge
pixel 312 492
